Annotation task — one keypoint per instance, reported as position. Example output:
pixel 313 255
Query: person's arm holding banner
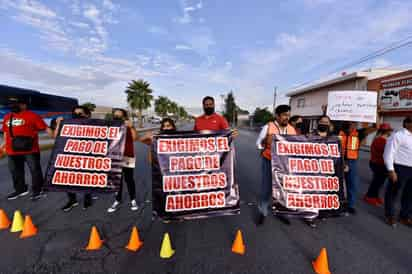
pixel 261 138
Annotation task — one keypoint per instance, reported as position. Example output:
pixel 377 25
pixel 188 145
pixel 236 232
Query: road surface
pixel 355 244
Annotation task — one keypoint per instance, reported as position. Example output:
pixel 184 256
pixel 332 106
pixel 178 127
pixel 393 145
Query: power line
pixel 393 46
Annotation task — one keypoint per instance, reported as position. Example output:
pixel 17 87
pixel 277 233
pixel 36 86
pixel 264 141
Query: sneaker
pixel 350 211
pixel 70 205
pixel 133 205
pixel 14 195
pixel 260 219
pixel 390 221
pixel 406 221
pixel 25 193
pixel 87 203
pixel 380 201
pixel 115 206
pixel 310 223
pixel 370 200
pixel 35 197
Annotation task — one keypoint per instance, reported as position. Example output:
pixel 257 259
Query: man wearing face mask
pixel 296 121
pixel 129 162
pixel 78 112
pixel 21 128
pixel 351 140
pixel 264 142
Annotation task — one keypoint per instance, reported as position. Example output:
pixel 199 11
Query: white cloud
pixel 108 4
pixel 81 25
pixel 182 47
pixel 188 8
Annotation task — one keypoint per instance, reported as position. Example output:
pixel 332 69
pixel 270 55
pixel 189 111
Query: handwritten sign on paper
pixel 352 105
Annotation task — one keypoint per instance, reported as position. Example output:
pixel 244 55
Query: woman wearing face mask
pixel 167 125
pixel 296 121
pixel 129 162
pixel 78 112
pixel 377 165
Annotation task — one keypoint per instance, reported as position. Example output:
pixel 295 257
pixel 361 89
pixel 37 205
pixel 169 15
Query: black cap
pixel 282 109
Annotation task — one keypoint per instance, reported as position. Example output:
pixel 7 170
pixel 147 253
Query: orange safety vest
pixel 272 130
pixel 350 144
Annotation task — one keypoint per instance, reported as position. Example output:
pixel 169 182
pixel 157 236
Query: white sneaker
pixel 133 205
pixel 115 206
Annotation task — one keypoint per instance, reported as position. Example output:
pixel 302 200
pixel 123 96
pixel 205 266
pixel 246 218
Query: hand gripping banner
pixel 193 175
pixel 87 156
pixel 307 176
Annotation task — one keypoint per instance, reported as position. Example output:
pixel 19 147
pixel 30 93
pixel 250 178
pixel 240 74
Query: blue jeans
pixel 265 197
pixel 404 179
pixel 351 178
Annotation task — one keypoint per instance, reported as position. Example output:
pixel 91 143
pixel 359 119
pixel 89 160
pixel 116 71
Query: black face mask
pixel 299 126
pixel 167 131
pixel 15 108
pixel 209 111
pixel 117 118
pixel 323 128
pixel 77 116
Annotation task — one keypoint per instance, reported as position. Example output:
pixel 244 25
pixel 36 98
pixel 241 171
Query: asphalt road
pixel 355 244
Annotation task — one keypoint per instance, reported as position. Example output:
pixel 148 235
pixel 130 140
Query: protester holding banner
pixel 21 128
pixel 129 162
pixel 296 121
pixel 351 139
pixel 78 112
pixel 210 120
pixel 377 165
pixel 264 143
pixel 398 161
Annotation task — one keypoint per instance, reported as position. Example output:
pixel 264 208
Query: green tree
pixel 90 106
pixel 262 116
pixel 139 97
pixel 230 108
pixel 173 108
pixel 108 116
pixel 182 113
pixel 161 105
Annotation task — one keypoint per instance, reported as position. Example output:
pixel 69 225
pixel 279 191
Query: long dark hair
pixel 167 120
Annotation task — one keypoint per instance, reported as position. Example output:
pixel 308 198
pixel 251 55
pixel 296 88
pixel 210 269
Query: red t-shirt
pixel 25 123
pixel 129 148
pixel 377 149
pixel 212 122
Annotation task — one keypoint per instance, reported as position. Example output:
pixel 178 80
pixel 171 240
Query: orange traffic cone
pixel 29 229
pixel 238 246
pixel 134 243
pixel 321 265
pixel 4 220
pixel 95 243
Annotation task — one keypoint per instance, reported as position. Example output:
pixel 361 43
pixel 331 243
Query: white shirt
pixel 263 133
pixel 398 149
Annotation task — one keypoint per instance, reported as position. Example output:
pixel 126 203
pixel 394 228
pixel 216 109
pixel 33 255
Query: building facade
pixel 311 101
pixel 394 97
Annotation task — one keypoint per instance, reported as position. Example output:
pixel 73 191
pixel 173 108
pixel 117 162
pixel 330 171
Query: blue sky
pixel 187 49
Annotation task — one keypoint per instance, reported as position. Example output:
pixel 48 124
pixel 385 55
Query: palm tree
pixel 139 96
pixel 173 108
pixel 90 106
pixel 162 106
pixel 182 113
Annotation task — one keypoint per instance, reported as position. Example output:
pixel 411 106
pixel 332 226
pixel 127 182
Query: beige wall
pixel 316 98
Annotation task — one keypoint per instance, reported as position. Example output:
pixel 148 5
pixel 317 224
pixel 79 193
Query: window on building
pixel 301 102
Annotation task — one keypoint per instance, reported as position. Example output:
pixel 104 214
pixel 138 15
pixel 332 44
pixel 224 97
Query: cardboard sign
pixel 350 105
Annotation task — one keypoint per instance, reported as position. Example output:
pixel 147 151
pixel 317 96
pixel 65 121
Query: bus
pixel 46 105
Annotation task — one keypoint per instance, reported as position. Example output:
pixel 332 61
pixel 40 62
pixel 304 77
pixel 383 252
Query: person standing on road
pixel 21 143
pixel 78 112
pixel 264 143
pixel 296 121
pixel 129 162
pixel 351 139
pixel 377 165
pixel 210 120
pixel 398 160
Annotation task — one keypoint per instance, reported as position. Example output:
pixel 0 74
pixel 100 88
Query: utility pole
pixel 274 98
